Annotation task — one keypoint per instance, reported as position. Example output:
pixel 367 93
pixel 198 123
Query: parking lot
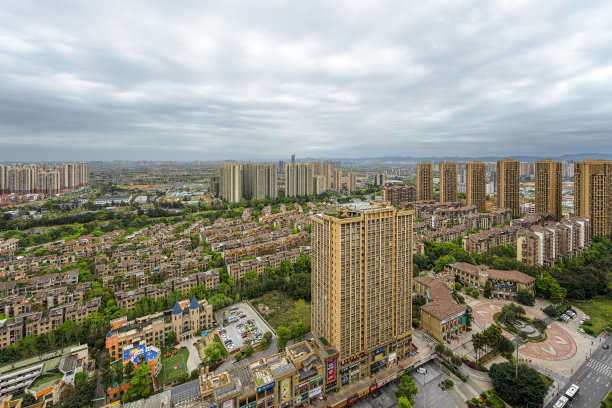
pixel 247 328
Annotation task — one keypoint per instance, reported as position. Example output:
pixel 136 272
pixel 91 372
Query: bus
pixel 572 393
pixel 562 402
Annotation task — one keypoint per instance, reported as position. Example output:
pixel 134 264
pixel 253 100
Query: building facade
pixel 448 182
pixel 425 181
pixel 362 286
pixel 475 184
pixel 548 180
pixel 593 194
pixel 231 182
pixel 338 179
pixel 351 181
pixel 508 178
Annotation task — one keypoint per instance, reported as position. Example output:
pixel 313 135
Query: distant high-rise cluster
pixel 239 180
pixel 38 178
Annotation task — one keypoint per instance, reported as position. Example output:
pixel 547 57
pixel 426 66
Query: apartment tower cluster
pixel 239 180
pixel 39 178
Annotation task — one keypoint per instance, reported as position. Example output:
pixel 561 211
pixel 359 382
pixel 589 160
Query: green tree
pixel 441 262
pixel 128 369
pixel 406 389
pixel 171 339
pixel 248 351
pixel 299 330
pixel 140 383
pixel 525 297
pixel 284 335
pixel 403 402
pixel 527 388
pixel 488 290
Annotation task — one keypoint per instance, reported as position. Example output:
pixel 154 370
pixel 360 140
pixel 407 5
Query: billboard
pixel 265 387
pixel 331 370
pixel 285 395
pixel 228 404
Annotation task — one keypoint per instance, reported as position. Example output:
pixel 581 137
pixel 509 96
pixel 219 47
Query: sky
pixel 259 80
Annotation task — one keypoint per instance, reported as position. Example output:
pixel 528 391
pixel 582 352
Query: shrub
pixel 416 323
pixel 475 293
pixel 458 286
pixel 460 298
pixel 588 330
pixel 448 383
pixel 587 323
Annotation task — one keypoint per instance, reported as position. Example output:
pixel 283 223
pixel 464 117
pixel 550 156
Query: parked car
pixel 586 318
pixel 421 370
pixel 581 330
pixel 605 346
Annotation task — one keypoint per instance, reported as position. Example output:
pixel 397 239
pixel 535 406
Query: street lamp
pixel 517 342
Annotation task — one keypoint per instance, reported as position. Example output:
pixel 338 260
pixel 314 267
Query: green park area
pixel 600 312
pixel 174 363
pixel 280 309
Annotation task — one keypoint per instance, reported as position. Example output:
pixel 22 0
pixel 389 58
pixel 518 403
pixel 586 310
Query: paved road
pixel 100 394
pixel 594 377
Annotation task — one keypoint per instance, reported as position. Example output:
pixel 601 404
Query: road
pixel 594 377
pixel 100 395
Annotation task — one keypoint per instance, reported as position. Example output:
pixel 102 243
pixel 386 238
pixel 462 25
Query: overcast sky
pixel 256 80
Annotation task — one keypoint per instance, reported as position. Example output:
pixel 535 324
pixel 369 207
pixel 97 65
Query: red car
pixel 244 335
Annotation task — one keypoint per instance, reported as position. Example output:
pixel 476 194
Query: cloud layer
pixel 193 80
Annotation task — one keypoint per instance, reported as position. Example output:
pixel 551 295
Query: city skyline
pixel 202 82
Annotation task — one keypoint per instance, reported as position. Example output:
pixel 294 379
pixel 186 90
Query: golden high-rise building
pixel 338 179
pixel 448 182
pixel 425 181
pixel 327 172
pixel 319 184
pixel 231 182
pixel 317 168
pixel 508 178
pixel 548 187
pixel 259 180
pixel 362 286
pixel 351 181
pixel 476 184
pixel 593 194
pixel 299 179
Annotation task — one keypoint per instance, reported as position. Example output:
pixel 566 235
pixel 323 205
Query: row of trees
pixel 491 339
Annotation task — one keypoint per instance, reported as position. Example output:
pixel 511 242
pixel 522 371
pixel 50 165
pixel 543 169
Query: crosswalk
pixel 600 366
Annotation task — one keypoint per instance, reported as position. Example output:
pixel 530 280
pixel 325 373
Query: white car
pixel 581 330
pixel 586 318
pixel 421 370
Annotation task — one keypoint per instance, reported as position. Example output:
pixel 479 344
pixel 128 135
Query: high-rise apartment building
pixel 362 287
pixel 351 181
pixel 548 181
pixel 231 182
pixel 380 179
pixel 448 182
pixel 593 194
pixel 299 179
pixel 327 172
pixel 319 184
pixel 425 181
pixel 281 167
pixel 317 168
pixel 338 179
pixel 475 184
pixel 508 177
pixel 293 158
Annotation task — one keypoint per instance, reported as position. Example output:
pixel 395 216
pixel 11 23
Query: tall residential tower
pixel 448 182
pixel 424 181
pixel 548 181
pixel 508 177
pixel 593 194
pixel 476 184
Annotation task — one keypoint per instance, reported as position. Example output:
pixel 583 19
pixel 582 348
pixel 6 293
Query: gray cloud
pixel 259 80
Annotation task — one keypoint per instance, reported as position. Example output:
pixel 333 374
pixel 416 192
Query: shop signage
pixel 353 366
pixel 331 370
pixel 453 317
pixel 379 350
pixel 374 387
pixel 344 370
pixel 302 385
pixel 401 336
pixel 317 378
pixel 352 399
pixel 354 372
pixel 392 357
pixel 228 404
pixel 265 387
pixel 345 379
pixel 377 357
pixel 364 393
pixel 315 392
pixel 265 399
pixel 251 405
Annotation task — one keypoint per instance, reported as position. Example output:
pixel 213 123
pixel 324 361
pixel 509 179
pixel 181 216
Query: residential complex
pixel 506 284
pixel 475 184
pixel 425 181
pixel 239 180
pixel 441 316
pixel 299 179
pixel 38 178
pixel 548 178
pixel 362 286
pixel 508 177
pixel 593 194
pixel 448 182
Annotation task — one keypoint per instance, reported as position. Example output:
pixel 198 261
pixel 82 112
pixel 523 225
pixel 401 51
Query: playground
pixel 174 363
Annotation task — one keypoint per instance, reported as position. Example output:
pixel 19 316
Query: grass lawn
pixel 169 372
pixel 283 310
pixel 600 312
pixel 607 402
